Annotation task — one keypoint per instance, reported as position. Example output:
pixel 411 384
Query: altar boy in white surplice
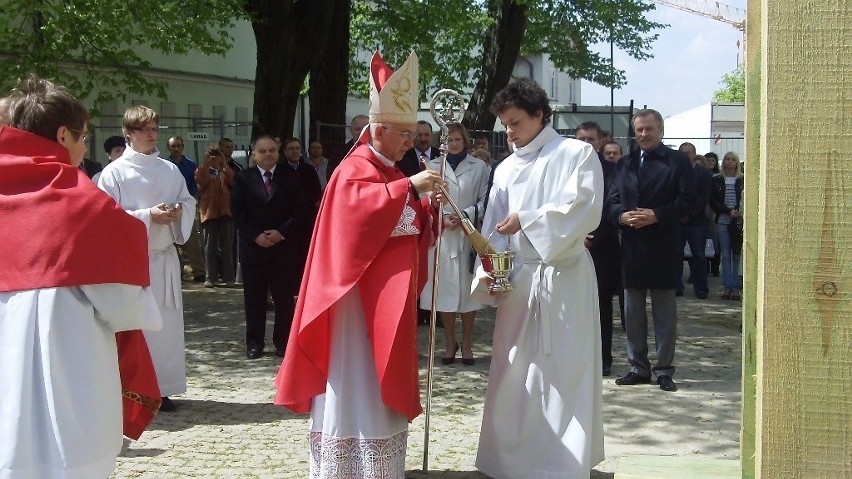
pixel 153 190
pixel 542 416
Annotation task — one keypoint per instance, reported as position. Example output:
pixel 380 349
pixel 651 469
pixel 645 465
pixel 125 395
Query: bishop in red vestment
pixel 351 359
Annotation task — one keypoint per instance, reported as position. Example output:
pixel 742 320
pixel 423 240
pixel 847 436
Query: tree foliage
pixel 733 87
pixel 93 46
pixel 444 34
pixel 452 36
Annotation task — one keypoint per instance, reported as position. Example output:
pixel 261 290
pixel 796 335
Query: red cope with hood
pixel 60 230
pixel 351 245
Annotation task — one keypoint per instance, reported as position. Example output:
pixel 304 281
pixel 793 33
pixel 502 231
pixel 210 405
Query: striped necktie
pixel 267 181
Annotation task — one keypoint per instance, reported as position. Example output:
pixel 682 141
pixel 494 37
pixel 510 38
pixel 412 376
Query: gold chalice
pixel 499 266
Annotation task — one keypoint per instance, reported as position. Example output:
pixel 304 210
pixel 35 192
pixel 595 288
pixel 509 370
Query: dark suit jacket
pixel 255 212
pixel 410 163
pixel 309 181
pixel 650 256
pixel 702 178
pixel 336 155
pixel 605 247
pixel 91 167
pixel 312 190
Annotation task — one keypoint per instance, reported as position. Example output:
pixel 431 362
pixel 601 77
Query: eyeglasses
pixel 147 129
pixel 84 134
pixel 406 134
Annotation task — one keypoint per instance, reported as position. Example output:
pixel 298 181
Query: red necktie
pixel 267 181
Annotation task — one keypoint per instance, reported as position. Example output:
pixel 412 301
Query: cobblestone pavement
pixel 227 427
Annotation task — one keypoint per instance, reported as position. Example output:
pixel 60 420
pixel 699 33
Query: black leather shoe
pixel 167 405
pixel 254 353
pixel 632 378
pixel 446 361
pixel 666 383
pixel 279 353
pixel 607 371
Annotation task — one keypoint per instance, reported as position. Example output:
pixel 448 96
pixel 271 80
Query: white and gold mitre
pixel 394 95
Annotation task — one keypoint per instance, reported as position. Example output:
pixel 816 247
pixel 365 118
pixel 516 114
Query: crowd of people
pixel 343 249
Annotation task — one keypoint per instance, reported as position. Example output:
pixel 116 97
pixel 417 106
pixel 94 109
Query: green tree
pixel 464 44
pixel 91 46
pixel 733 87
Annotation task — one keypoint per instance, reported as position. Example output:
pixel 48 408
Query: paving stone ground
pixel 227 427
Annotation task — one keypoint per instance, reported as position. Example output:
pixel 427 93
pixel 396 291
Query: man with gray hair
pixel 651 191
pixel 352 356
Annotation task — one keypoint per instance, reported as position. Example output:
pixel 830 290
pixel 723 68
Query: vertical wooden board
pixel 751 198
pixel 804 303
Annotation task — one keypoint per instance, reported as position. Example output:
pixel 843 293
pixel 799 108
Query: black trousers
pixel 605 304
pixel 282 281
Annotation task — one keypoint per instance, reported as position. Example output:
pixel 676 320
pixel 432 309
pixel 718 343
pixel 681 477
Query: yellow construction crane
pixel 716 10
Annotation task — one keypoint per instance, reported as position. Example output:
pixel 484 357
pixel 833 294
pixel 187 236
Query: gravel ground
pixel 226 426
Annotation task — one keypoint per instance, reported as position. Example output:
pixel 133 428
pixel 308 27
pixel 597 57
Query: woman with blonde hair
pixel 726 201
pixel 467 184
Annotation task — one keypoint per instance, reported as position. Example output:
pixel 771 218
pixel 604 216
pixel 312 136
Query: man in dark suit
pixel 269 209
pixel 336 154
pixel 411 163
pixel 605 249
pixel 311 188
pixel 693 228
pixel 651 191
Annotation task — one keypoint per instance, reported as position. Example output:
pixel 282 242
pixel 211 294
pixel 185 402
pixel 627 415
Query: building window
pixel 194 110
pixel 242 117
pixel 110 118
pixel 168 109
pixel 554 85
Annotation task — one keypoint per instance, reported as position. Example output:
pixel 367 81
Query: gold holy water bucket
pixel 499 266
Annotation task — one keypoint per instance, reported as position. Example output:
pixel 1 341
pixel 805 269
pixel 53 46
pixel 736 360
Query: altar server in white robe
pixel 63 295
pixel 153 190
pixel 542 416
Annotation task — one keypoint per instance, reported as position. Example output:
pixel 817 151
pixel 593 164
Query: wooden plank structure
pixel 799 241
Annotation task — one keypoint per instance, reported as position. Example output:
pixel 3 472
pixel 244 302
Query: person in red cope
pixel 75 272
pixel 351 360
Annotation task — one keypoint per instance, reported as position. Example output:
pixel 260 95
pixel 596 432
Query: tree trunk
pixel 286 33
pixel 329 82
pixel 500 52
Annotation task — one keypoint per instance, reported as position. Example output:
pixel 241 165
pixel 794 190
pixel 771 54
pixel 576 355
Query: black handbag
pixel 735 230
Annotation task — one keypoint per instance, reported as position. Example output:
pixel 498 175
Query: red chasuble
pixel 351 245
pixel 60 230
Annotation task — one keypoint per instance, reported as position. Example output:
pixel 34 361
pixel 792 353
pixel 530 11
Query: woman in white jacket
pixel 467 184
